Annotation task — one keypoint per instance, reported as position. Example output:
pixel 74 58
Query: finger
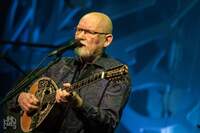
pixel 23 101
pixel 24 108
pixel 58 95
pixel 57 98
pixel 31 106
pixel 65 94
pixel 34 98
pixel 66 84
pixel 33 101
pixel 58 91
pixel 62 96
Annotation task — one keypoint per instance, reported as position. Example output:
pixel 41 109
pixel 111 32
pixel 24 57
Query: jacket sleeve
pixel 12 104
pixel 107 115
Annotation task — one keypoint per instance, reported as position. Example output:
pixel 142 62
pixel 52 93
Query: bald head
pixel 96 21
pixel 94 31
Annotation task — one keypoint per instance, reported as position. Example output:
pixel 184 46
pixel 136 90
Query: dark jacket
pixel 103 100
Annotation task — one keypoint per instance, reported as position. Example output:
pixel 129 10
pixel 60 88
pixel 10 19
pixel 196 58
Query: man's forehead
pixel 89 23
pixel 97 22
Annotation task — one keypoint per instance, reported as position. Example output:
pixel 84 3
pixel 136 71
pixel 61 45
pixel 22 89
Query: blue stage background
pixel 158 39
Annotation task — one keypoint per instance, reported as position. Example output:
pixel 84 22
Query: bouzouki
pixel 45 90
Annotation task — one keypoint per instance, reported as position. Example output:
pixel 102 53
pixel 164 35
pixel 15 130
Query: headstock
pixel 116 73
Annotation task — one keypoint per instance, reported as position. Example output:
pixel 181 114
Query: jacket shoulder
pixel 109 62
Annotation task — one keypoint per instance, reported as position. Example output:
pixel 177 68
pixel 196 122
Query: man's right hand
pixel 28 102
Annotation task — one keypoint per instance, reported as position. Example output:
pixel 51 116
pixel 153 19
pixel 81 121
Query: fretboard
pixel 88 80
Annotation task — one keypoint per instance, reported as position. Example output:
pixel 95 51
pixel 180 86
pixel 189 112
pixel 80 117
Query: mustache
pixel 80 43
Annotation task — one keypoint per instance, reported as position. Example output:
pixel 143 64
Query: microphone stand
pixel 28 80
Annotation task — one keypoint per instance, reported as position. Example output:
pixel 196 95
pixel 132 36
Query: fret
pixel 102 75
pixel 87 80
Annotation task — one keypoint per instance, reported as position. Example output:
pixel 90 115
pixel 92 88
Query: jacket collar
pixel 103 61
pixel 99 61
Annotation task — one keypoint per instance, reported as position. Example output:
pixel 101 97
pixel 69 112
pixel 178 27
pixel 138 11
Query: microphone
pixel 70 45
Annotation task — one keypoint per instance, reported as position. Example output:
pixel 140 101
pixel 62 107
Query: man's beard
pixel 86 54
pixel 82 52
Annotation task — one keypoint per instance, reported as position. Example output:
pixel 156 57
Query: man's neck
pixel 90 59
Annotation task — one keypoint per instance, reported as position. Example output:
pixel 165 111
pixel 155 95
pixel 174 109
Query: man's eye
pixel 80 30
pixel 90 32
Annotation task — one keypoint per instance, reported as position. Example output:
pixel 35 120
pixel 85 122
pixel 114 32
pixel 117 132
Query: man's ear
pixel 108 40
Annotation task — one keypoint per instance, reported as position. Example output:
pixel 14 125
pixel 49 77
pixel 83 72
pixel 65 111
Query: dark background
pixel 158 39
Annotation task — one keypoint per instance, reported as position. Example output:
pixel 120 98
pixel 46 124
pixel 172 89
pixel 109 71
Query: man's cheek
pixel 97 42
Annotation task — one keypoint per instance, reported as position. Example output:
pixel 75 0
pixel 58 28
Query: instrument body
pixel 44 89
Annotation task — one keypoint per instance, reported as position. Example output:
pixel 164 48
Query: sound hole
pixel 47 92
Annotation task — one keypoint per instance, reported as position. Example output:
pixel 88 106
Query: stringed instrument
pixel 45 90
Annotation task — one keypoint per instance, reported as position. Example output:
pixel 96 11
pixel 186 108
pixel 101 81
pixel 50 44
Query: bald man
pixel 92 108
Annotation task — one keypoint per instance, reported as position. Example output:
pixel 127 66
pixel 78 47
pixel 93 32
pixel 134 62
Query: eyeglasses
pixel 79 30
